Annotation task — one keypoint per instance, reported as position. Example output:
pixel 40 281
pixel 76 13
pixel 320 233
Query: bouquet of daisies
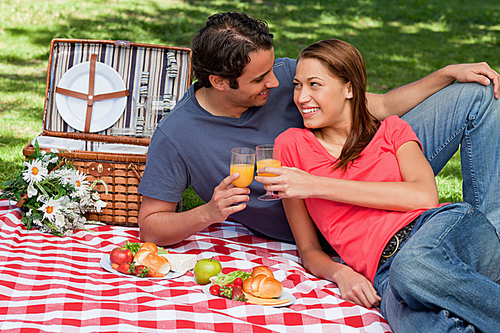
pixel 53 194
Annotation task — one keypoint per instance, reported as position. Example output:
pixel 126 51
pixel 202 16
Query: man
pixel 243 98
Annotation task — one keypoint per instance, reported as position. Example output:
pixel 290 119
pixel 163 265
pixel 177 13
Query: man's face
pixel 255 81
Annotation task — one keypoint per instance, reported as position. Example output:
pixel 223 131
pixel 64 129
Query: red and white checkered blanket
pixel 53 284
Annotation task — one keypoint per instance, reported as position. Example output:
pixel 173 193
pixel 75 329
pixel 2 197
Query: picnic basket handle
pixel 134 170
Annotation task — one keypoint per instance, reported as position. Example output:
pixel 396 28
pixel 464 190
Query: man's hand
pixel 478 72
pixel 355 288
pixel 290 182
pixel 226 200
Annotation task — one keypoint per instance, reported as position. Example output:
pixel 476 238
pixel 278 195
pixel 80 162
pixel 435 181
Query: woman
pixel 430 267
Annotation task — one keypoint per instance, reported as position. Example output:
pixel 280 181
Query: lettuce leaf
pixel 223 279
pixel 134 247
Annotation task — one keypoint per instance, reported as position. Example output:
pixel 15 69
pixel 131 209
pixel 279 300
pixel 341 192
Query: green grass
pixel 401 42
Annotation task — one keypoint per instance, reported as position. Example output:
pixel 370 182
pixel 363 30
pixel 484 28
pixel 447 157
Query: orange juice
pixel 246 174
pixel 270 162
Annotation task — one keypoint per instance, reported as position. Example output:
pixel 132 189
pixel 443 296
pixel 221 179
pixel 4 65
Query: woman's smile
pixel 308 112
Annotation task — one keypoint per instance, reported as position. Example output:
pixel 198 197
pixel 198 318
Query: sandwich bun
pixel 147 256
pixel 263 286
pixel 155 263
pixel 262 270
pixel 140 255
pixel 150 246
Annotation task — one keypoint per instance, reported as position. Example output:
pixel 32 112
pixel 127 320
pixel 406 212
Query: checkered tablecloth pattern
pixel 53 284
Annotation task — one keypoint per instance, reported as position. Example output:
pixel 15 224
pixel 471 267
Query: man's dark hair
pixel 223 45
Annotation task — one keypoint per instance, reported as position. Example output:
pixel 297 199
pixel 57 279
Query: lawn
pixel 401 42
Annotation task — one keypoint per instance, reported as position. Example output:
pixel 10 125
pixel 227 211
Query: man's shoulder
pixel 286 65
pixel 182 110
pixel 285 62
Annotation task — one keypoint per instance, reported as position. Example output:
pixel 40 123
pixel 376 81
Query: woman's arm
pixel 403 99
pixel 417 190
pixel 353 286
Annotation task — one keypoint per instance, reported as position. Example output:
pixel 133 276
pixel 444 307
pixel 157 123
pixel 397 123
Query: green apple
pixel 205 269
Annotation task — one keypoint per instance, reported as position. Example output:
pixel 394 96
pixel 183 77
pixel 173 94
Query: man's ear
pixel 349 93
pixel 218 82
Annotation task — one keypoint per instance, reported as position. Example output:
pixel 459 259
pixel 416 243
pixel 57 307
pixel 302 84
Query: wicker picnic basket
pixel 113 151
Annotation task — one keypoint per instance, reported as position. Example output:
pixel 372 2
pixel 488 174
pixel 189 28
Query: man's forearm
pixel 166 228
pixel 403 99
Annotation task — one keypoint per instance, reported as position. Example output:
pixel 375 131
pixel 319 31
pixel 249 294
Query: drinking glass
pixel 243 162
pixel 268 155
pixel 154 112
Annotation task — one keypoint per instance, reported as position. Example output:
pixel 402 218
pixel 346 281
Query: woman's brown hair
pixel 345 62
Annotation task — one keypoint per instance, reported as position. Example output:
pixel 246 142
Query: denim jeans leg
pixel 465 116
pixel 446 277
pixel 404 319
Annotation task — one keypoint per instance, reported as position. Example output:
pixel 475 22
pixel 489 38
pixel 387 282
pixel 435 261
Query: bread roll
pixel 156 263
pixel 152 260
pixel 262 270
pixel 263 286
pixel 140 255
pixel 150 246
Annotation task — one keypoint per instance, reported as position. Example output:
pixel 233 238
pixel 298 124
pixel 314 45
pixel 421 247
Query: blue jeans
pixel 446 277
pixel 465 116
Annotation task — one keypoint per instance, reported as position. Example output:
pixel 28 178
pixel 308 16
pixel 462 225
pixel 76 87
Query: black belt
pixel 394 243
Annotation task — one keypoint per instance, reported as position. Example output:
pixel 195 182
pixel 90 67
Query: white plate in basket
pixel 104 113
pixel 118 148
pixel 106 264
pixel 58 143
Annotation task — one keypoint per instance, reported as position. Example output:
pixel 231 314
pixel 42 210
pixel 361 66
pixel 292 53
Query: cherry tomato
pixel 238 282
pixel 214 289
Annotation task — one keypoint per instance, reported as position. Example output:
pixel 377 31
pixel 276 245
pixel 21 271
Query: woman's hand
pixel 355 288
pixel 289 183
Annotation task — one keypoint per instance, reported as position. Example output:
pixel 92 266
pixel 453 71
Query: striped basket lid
pixel 147 70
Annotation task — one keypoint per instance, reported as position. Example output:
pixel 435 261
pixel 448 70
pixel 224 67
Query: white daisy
pixel 51 209
pixel 78 180
pixel 35 172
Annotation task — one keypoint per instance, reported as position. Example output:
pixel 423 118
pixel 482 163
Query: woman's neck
pixel 333 138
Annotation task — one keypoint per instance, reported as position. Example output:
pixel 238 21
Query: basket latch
pixel 100 169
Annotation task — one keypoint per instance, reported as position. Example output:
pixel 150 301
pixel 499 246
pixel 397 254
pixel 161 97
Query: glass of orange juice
pixel 243 162
pixel 268 155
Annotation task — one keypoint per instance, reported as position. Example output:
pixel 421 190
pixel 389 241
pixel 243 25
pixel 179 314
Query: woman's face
pixel 323 99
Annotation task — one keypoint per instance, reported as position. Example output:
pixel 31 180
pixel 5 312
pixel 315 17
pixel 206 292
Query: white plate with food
pixel 104 113
pixel 285 299
pixel 106 264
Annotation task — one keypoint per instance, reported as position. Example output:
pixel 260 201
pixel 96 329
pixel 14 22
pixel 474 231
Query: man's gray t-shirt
pixel 193 147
